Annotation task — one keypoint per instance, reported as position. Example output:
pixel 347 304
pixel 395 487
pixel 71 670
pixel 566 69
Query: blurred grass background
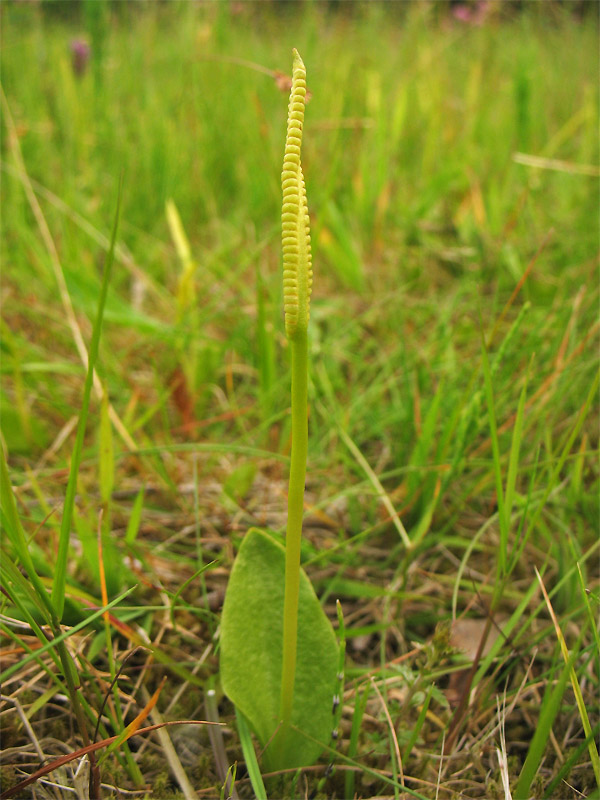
pixel 423 219
pixel 411 135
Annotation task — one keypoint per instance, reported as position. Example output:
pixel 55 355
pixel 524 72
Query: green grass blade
pixel 426 441
pixel 25 597
pixel 107 457
pixel 503 522
pixel 585 721
pixel 60 574
pixel 522 534
pixel 12 527
pixel 570 762
pixel 551 481
pixel 254 774
pixel 550 707
pixel 513 459
pixel 11 522
pixel 417 728
pixel 135 518
pixel 590 614
pixel 506 631
pixel 360 706
pixel 229 781
pixel 4 676
pixel 266 345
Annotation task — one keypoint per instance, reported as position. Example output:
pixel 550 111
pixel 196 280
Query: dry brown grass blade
pixel 501 751
pixel 556 165
pixel 226 416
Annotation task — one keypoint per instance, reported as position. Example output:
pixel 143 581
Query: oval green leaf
pixel 251 655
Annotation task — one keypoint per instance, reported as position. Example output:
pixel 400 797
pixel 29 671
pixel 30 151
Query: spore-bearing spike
pixel 297 259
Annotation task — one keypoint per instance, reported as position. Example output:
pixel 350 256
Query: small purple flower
pixel 80 55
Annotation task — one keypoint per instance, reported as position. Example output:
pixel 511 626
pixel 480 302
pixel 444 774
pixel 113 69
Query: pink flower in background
pixel 80 55
pixel 472 14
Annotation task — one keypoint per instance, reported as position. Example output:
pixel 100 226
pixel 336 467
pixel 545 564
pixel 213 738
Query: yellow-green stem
pixel 299 352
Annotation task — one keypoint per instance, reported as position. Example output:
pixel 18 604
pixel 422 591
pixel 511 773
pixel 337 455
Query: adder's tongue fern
pixel 283 688
pixel 297 262
pixel 297 283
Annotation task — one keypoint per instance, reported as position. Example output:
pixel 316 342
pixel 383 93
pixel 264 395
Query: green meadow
pixel 451 162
